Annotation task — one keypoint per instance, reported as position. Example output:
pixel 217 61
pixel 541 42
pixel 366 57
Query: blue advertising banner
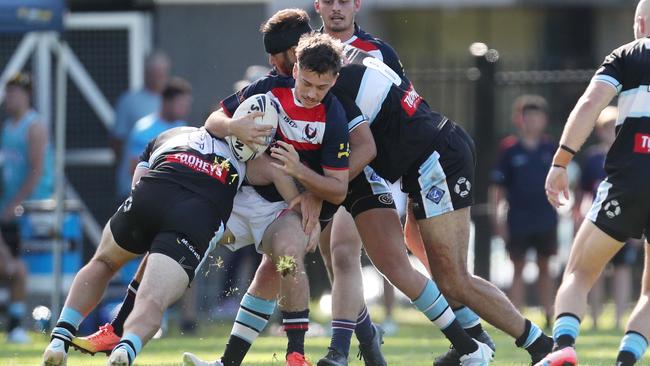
pixel 20 16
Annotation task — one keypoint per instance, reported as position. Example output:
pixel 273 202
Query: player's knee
pixel 344 258
pixel 292 247
pixel 103 263
pixel 149 301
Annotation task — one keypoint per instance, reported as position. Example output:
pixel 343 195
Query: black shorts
pixel 443 182
pixel 544 243
pixel 11 235
pixel 166 218
pixel 365 192
pixel 622 207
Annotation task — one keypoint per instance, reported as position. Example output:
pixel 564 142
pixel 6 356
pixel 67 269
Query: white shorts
pixel 251 215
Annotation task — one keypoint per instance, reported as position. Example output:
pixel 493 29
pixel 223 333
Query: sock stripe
pixel 248 326
pixel 258 304
pixel 566 324
pixel 466 317
pixel 435 303
pixel 363 314
pixel 295 320
pixel 71 316
pixel 534 333
pixel 303 326
pixel 635 343
pixel 244 332
pixel 248 318
pixel 254 312
pixel 339 324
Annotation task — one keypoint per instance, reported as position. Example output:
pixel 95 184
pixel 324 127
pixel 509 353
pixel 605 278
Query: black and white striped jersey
pixel 403 125
pixel 196 160
pixel 627 69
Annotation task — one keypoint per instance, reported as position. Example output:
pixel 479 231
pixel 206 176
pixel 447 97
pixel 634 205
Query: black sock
pixel 625 358
pixel 126 308
pixel 296 325
pixel 461 341
pixel 475 331
pixel 236 350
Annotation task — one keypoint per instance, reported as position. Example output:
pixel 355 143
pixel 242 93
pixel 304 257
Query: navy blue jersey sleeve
pixel 335 149
pixel 260 86
pixel 501 170
pixel 611 70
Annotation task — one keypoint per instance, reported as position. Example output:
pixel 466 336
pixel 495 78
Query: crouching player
pixel 182 196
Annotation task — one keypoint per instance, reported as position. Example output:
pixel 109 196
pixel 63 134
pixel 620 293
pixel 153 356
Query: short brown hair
pixel 176 86
pixel 285 19
pixel 528 103
pixel 319 53
pixel 21 80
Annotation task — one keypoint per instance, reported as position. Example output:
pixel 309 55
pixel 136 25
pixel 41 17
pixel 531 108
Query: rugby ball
pixel 255 103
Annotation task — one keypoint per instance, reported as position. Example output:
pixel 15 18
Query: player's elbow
pixel 337 196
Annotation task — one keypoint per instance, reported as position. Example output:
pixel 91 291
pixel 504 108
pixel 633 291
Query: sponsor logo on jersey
pixel 411 101
pixel 190 247
pixel 289 121
pixel 218 169
pixel 435 195
pixel 310 132
pixel 462 187
pixel 642 143
pixel 612 209
pixel 126 206
pixel 386 199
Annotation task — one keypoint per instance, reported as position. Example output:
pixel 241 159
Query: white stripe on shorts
pixel 601 196
pixel 432 175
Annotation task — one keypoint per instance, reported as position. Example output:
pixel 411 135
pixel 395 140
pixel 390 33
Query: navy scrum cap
pixel 281 41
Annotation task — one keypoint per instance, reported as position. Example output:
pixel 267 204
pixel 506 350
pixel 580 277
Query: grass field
pixel 415 345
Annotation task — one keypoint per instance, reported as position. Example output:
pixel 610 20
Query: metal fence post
pixel 484 133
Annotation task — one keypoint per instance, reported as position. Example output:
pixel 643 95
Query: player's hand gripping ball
pixel 255 103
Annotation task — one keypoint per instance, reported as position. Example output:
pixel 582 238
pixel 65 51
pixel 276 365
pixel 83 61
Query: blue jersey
pixel 522 172
pixel 15 153
pixel 146 129
pixel 376 48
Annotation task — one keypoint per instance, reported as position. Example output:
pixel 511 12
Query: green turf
pixel 415 344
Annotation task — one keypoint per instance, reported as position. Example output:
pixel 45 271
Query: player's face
pixel 337 15
pixel 311 87
pixel 534 123
pixel 179 107
pixel 283 62
pixel 16 99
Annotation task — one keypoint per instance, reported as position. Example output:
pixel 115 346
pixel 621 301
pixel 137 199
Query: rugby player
pixel 367 192
pixel 182 195
pixel 621 209
pixel 312 127
pixel 422 291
